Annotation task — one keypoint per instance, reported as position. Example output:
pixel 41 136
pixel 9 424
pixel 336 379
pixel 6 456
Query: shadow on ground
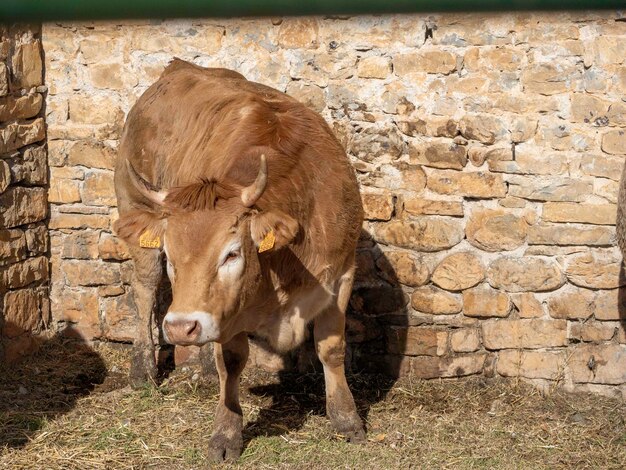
pixel 45 385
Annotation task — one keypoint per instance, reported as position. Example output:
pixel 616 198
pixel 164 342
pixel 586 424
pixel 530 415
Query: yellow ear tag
pixel 268 242
pixel 147 240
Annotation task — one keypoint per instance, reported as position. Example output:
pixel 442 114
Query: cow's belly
pixel 286 328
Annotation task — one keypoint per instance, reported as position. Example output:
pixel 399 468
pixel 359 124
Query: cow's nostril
pixel 192 328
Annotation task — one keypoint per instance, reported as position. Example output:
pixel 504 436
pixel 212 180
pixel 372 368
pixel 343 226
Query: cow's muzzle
pixel 193 328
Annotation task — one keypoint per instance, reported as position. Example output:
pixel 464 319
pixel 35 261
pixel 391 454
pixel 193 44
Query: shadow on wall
pixel 376 324
pixel 45 386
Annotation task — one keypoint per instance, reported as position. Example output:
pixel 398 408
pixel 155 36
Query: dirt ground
pixel 70 407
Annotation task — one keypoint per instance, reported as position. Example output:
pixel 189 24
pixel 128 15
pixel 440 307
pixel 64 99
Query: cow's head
pixel 213 235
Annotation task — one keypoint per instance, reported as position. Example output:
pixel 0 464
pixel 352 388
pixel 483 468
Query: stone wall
pixel 488 149
pixel 24 304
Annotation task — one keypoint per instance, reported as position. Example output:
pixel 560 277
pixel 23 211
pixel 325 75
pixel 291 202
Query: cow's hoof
pixel 355 436
pixel 223 448
pixel 350 426
pixel 143 369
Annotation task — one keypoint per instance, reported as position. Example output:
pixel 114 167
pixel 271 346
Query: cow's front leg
pixel 330 345
pixel 230 358
pixel 146 278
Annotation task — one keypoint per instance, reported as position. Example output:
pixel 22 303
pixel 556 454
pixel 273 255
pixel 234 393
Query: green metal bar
pixel 51 10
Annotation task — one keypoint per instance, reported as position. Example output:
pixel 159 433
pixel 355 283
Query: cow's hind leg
pixel 330 345
pixel 230 359
pixel 146 278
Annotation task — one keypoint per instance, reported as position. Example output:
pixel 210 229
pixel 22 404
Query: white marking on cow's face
pixel 209 329
pixel 169 267
pixel 230 262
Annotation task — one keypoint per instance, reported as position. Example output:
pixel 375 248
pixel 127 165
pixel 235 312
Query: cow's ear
pixel 273 230
pixel 140 228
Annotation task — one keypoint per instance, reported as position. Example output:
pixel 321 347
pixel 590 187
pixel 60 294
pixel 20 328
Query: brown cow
pixel 257 209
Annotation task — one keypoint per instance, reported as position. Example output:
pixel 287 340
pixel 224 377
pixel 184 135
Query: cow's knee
pixel 332 354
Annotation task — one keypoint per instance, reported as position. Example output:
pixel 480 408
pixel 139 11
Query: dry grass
pixel 52 416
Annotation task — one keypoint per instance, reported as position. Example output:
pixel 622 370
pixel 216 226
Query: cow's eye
pixel 233 255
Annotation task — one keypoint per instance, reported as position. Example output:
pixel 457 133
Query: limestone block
pixel 374 67
pixel 416 341
pixel 95 110
pixel 528 334
pixel 546 79
pixel 474 184
pixel 23 273
pixel 91 154
pixel 593 271
pixel 90 273
pixel 496 230
pixel 465 340
pixel 425 234
pixel 483 301
pixel 37 239
pixel 610 305
pixel 429 299
pixel 527 305
pixel 32 169
pixel 571 304
pixel 78 312
pixel 15 135
pixel 483 128
pixel 548 365
pixel 525 274
pixel 27 65
pixel 603 364
pixel 550 189
pixel 22 205
pixel 80 244
pixel 614 142
pixel 64 191
pixel 296 33
pixel 588 108
pixel 12 246
pixel 4 79
pixel 570 235
pixel 440 154
pixel 377 206
pixel 593 332
pixel 433 61
pixel 458 271
pixel 421 206
pixel 597 214
pixel 5 176
pixel 24 311
pixel 98 189
pixel 530 163
pixel 403 267
pixel 604 166
pixel 20 107
pixel 119 316
pixel 79 221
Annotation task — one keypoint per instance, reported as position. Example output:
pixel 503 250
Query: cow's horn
pixel 251 194
pixel 144 187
